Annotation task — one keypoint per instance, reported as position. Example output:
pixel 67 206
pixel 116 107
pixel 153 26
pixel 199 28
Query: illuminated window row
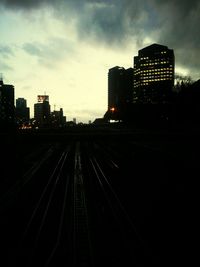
pixel 157 59
pixel 158 70
pixel 156 73
pixel 154 63
pixel 156 77
pixel 155 80
pixel 144 58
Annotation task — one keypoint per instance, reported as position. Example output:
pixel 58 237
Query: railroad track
pixel 51 220
pixel 43 231
pixel 12 192
pixel 149 192
pixel 68 213
pixel 82 237
pixel 115 239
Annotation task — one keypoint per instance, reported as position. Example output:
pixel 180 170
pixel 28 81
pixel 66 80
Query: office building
pixel 153 74
pixel 42 111
pixel 7 108
pixel 57 118
pixel 120 87
pixel 22 112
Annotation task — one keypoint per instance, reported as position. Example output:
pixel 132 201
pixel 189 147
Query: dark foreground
pixel 115 197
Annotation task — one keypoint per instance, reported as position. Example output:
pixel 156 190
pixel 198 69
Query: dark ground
pixel 158 180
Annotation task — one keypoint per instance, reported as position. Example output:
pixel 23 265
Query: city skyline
pixel 65 48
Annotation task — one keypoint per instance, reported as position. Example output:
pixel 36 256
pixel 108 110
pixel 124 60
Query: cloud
pixel 33 49
pixel 110 22
pixel 52 52
pixel 6 51
pixel 34 4
pixel 178 22
pixel 5 67
pixel 115 23
pixel 23 3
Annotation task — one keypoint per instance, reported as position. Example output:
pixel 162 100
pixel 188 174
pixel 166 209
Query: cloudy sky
pixel 64 48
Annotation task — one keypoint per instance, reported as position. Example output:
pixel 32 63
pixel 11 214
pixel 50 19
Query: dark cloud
pixel 115 22
pixel 170 22
pixel 33 4
pixel 178 21
pixel 24 3
pixel 111 22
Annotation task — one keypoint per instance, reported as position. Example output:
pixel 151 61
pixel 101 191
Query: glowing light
pixel 112 109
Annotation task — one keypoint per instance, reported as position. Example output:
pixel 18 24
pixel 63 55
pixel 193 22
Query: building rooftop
pixel 153 48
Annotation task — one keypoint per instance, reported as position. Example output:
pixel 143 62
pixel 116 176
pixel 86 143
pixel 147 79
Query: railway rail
pixel 84 203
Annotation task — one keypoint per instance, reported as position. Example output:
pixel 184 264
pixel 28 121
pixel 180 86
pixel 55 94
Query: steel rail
pixel 11 192
pixel 37 206
pixel 48 192
pixel 117 208
pixel 81 236
pixel 60 225
pixel 49 201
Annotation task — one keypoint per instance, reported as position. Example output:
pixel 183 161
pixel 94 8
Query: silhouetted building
pixel 120 87
pixel 120 92
pixel 42 111
pixel 153 74
pixel 57 119
pixel 7 108
pixel 22 112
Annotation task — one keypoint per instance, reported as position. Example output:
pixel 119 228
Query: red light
pixel 112 109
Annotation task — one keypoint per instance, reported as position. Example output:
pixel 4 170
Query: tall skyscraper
pixel 7 108
pixel 22 112
pixel 153 74
pixel 120 87
pixel 42 111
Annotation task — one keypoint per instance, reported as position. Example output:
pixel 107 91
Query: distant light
pixel 112 109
